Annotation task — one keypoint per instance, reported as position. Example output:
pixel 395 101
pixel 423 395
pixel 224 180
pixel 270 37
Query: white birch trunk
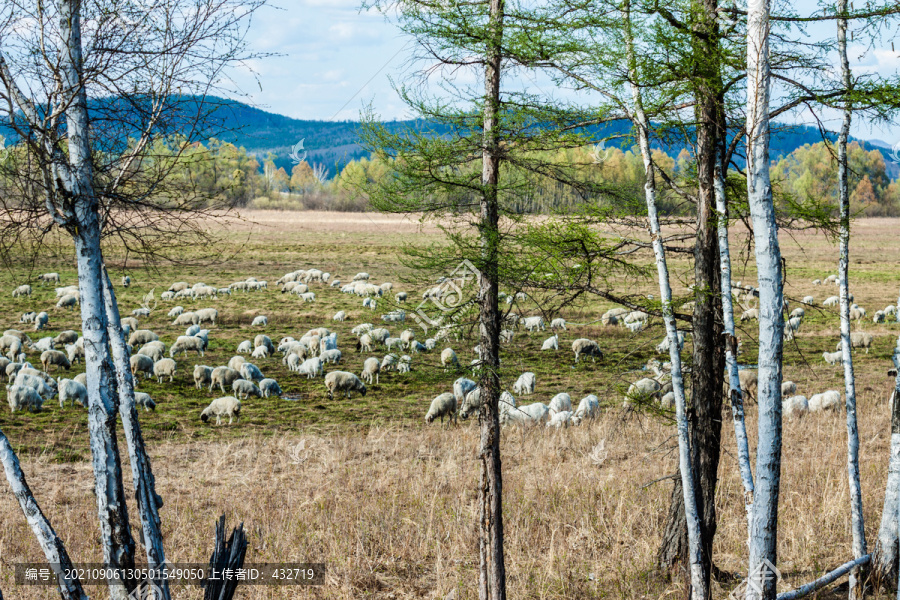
pixel 148 501
pixel 54 550
pixel 764 519
pixel 885 556
pixel 692 517
pixel 115 533
pixel 856 517
pixel 734 380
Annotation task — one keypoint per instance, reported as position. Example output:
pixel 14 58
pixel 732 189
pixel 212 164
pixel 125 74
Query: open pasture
pixel 390 503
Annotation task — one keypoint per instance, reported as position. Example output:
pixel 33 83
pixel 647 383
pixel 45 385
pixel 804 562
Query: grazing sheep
pixel 44 344
pixel 443 405
pixel 833 358
pixel 557 324
pixel 143 399
pixel 585 347
pixel 270 387
pixel 81 378
pixel 66 337
pixel 141 312
pixel 229 406
pixel 141 337
pixel 809 300
pixel 192 330
pixel 260 321
pixel 48 278
pixel 795 406
pixel 243 389
pixel 339 316
pixel 54 358
pixel 186 318
pixel 264 340
pixel 22 397
pixel 533 323
pixel 749 382
pixel 74 353
pixel 28 317
pixel 560 402
pixel 506 335
pixel 11 345
pixel 788 388
pixel 471 403
pixel 561 419
pixel 308 297
pixel 342 381
pixel 393 342
pixel 176 310
pixel 155 350
pixel 879 317
pixel 588 408
pixel 860 339
pixel 185 343
pixel 751 313
pixel 524 385
pixel 42 383
pixel 461 388
pixel 448 358
pixel 251 372
pixel 202 376
pixel 261 352
pixel 312 367
pixel 292 361
pixel 856 314
pixel 791 327
pixel 361 277
pixel 130 322
pixel 245 347
pixel 223 376
pixel 831 301
pixel 164 367
pixel 663 346
pixel 371 368
pixel 207 315
pixel 41 320
pixel 407 336
pixel 643 389
pixel 798 312
pixel 401 297
pixel 22 290
pixel 405 364
pixel 430 344
pixel 668 401
pixel 551 343
pixel 71 390
pixel 826 401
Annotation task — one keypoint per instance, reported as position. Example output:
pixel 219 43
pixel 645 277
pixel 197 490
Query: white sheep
pixel 551 343
pixel 71 390
pixel 270 387
pixel 141 363
pixel 185 343
pixel 533 323
pixel 342 381
pixel 45 387
pixel 371 368
pixel 524 385
pixel 165 367
pixel 795 406
pixel 141 312
pixel 245 347
pixel 222 377
pixel 260 352
pixel 561 419
pixel 750 313
pixel 68 301
pixel 155 350
pixel 22 290
pixel 175 311
pixel 809 300
pixel 251 372
pixel 788 388
pixel 42 344
pixel 207 315
pixel 663 346
pixel 560 402
pixel 260 321
pixel 41 320
pixel 537 412
pixel 54 358
pixel 831 301
pixel 442 406
pixel 264 340
pixel 21 397
pixel 388 362
pixel 448 358
pixel 75 353
pixel 585 347
pixel 311 367
pixel 826 401
pixel 643 389
pixel 557 324
pixel 405 364
pixel 308 297
pixel 141 337
pixel 229 406
pixel 588 408
pixel 243 389
pixel 144 400
pixel 202 376
pixel 339 316
pixel 393 343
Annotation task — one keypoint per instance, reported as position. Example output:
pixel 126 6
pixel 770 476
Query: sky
pixel 328 60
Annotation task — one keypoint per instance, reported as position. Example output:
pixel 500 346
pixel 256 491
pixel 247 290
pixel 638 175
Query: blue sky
pixel 333 59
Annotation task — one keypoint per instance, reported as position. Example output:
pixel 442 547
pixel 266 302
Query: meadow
pixel 388 502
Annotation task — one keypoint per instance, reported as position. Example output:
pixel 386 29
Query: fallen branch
pixel 809 588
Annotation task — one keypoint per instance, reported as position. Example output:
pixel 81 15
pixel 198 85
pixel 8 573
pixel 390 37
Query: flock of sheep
pixel 309 354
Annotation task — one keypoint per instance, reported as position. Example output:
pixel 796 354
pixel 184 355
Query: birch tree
pixel 764 516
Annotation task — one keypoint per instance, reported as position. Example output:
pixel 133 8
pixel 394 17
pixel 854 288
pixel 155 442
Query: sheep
pixel 798 312
pixel 588 408
pixel 560 419
pixel 54 358
pixel 251 372
pixel 817 282
pixel 663 346
pixel 809 300
pixel 11 345
pixel 308 297
pixel 668 400
pixel 207 315
pixel 342 381
pixel 788 388
pixel 141 312
pixel 371 369
pixel 40 385
pixel 791 326
pixel 243 389
pixel 339 316
pixel 405 364
pixel 270 387
pixel 361 277
pixel 69 389
pixel 795 406
pixel 443 405
pixel 749 382
pixel 65 337
pixel 130 322
pixel 229 406
pixel 68 301
pixel 165 367
pixel 21 397
pixel 245 347
pixel 260 321
pixel 143 399
pixel 176 310
pixel 634 316
pixel 833 358
pixel 879 317
pixel 155 350
pixel 221 377
pixel 831 301
pixel 48 278
pixel 185 343
pixel 826 401
pixel 448 358
pixel 890 310
pixel 860 339
pixel 44 344
pixel 22 290
pixel 74 353
pixel 311 367
pixel 643 389
pixel 430 344
pixel 141 337
pixel 524 385
pixel 395 316
pixel 533 323
pixel 401 297
pixel 750 313
pixel 560 402
pixel 41 320
pixel 292 361
pixel 635 326
pixel 192 330
pixel 28 317
pixel 12 368
pixel 506 336
pixel 264 340
pixel 179 286
pixel 81 378
pixel 186 318
pixel 126 281
pixel 557 324
pixel 585 347
pixel 856 314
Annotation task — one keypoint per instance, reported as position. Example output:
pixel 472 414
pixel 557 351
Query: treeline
pixel 235 176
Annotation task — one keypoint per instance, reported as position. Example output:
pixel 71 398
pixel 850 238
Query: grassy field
pixel 388 502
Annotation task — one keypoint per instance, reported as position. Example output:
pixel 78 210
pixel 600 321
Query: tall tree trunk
pixel 697 562
pixel 492 574
pixel 734 380
pixel 118 545
pixel 54 550
pixel 764 519
pixel 884 561
pixel 707 374
pixel 856 517
pixel 148 501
